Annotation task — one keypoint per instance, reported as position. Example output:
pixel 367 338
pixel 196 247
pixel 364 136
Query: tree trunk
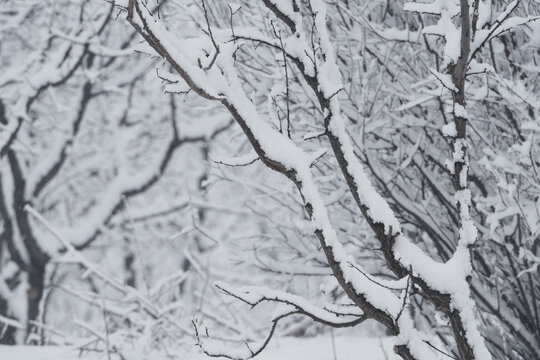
pixel 36 282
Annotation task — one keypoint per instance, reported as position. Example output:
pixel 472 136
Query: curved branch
pixel 253 296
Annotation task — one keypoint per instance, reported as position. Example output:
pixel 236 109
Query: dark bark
pixel 36 282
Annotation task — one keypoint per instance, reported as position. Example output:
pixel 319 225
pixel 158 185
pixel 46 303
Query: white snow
pixel 460 111
pixel 287 348
pixel 449 129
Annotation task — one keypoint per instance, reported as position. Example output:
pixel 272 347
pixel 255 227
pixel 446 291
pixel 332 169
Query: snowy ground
pixel 346 348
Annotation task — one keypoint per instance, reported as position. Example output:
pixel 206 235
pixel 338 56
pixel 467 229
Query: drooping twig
pixel 211 34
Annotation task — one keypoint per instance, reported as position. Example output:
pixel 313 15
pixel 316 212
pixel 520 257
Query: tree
pixel 384 167
pixel 409 164
pixel 312 55
pixel 68 152
pixel 218 80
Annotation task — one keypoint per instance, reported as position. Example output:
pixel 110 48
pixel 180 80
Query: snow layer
pixel 317 348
